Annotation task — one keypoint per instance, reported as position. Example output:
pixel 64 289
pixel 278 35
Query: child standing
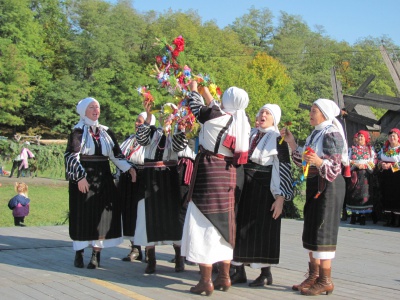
pixel 20 204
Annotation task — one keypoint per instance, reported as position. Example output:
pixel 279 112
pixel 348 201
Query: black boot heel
pixel 94 260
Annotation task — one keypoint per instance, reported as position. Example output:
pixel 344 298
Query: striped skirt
pixel 95 215
pixel 322 215
pixel 131 193
pixel 213 192
pixel 258 234
pixel 390 189
pixel 162 204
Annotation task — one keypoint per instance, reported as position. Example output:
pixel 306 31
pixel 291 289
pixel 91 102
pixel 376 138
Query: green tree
pixel 20 47
pixel 254 28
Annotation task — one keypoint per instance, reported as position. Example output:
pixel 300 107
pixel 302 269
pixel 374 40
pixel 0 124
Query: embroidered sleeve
pixel 297 156
pixel 332 147
pixel 179 141
pixel 73 168
pixel 143 134
pixel 201 111
pixel 282 181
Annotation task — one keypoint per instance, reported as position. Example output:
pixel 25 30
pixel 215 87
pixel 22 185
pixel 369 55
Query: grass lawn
pixel 48 206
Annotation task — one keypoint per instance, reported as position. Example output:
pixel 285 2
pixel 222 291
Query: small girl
pixel 20 204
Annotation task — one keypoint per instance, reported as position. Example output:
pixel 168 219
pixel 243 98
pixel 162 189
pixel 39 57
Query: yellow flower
pixel 213 89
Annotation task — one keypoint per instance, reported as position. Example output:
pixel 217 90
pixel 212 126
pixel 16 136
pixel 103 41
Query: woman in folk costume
pixel 94 206
pixel 210 228
pixel 325 152
pixel 158 213
pixel 362 162
pixel 388 164
pixel 268 183
pixel 132 192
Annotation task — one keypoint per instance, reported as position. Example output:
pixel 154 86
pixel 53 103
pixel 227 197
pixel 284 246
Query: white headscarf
pixel 81 110
pixel 276 113
pixel 153 118
pixel 235 101
pixel 266 147
pixel 330 110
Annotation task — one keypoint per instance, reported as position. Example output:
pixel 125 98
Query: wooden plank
pixel 349 116
pixel 334 85
pixel 337 89
pixel 362 90
pixel 390 66
pixel 304 106
pixel 354 117
pixel 373 100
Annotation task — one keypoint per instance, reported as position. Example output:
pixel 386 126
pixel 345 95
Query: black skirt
pixel 162 204
pixel 95 215
pixel 322 215
pixel 131 194
pixel 258 234
pixel 390 189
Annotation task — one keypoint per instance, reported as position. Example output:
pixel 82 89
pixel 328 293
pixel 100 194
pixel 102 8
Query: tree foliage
pixel 55 52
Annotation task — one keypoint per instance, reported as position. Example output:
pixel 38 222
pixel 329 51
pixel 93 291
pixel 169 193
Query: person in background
pixel 132 192
pixel 158 213
pixel 348 183
pixel 94 201
pixel 20 204
pixel 268 183
pixel 25 155
pixel 20 162
pixel 325 153
pixel 210 228
pixel 388 164
pixel 362 162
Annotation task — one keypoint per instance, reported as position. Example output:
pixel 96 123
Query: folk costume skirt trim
pixel 162 204
pixel 201 242
pixel 258 234
pixel 357 197
pixel 95 215
pixel 390 189
pixel 212 190
pixel 131 193
pixel 322 214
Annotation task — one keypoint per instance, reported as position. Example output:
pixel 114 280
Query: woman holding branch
pixel 158 213
pixel 210 227
pixel 325 192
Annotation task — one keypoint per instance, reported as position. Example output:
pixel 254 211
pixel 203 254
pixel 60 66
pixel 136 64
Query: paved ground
pixel 37 263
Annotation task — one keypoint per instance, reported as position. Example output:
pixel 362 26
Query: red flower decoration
pixel 179 43
pixel 159 60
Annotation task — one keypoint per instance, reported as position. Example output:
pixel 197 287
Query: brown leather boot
pixel 313 273
pixel 223 281
pixel 205 284
pixel 323 284
pixel 151 260
pixel 179 260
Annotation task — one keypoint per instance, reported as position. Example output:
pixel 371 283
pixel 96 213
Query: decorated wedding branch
pixel 175 80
